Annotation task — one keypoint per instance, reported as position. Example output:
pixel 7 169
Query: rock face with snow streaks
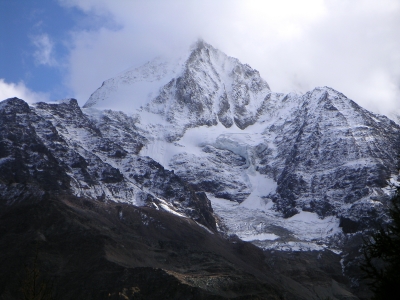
pixel 326 154
pixel 332 156
pixel 28 167
pixel 204 88
pixel 213 87
pixel 209 172
pixel 56 148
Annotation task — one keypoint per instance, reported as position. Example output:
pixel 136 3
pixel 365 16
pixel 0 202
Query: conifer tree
pixel 34 287
pixel 382 256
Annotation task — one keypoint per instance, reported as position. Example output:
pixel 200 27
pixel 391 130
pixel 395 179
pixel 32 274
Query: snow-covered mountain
pixel 205 87
pixel 56 148
pixel 78 201
pixel 316 163
pixel 203 137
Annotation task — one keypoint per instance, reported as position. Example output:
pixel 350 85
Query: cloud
pixel 44 54
pixel 352 46
pixel 19 90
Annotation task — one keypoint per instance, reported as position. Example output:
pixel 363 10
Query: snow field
pixel 260 224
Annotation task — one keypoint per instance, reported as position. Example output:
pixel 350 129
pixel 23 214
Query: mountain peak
pixel 203 88
pixel 200 43
pixel 14 104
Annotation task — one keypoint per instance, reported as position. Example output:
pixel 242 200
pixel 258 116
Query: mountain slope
pixel 56 148
pixel 94 250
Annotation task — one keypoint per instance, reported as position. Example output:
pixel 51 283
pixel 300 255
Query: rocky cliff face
pixel 212 88
pixel 28 167
pixel 57 148
pixel 203 88
pixel 332 156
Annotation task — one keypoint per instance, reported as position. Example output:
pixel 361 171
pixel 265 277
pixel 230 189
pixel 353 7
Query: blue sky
pixel 54 49
pixel 28 29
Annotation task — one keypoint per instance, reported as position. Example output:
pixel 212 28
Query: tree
pixel 382 256
pixel 34 287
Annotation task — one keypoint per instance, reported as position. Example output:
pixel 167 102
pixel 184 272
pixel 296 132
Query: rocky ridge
pixel 57 148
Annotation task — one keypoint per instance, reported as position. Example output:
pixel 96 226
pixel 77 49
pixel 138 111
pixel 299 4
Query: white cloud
pixel 19 90
pixel 352 46
pixel 43 54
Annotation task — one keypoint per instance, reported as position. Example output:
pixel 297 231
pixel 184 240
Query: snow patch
pixel 259 237
pixel 164 205
pixel 262 225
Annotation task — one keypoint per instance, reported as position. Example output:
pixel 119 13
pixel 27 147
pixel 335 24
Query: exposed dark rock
pixel 27 167
pixel 198 172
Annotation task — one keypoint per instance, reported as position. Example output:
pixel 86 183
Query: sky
pixel 55 49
